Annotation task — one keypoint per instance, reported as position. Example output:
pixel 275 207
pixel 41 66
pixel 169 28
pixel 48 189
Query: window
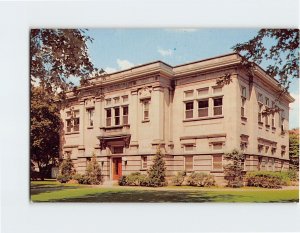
pixel 117 115
pixel 188 162
pixel 72 124
pixel 282 125
pixel 189 94
pixel 108 117
pixel 260 98
pixel 108 102
pixel 267 120
pixel 125 98
pixel 266 149
pixel 87 161
pixel 144 162
pixel 203 108
pixel 273 150
pixel 146 110
pixel 260 148
pixel 267 102
pixel 117 150
pixel 117 100
pixel 125 115
pixel 90 117
pixel 243 107
pixel 243 146
pixel 189 107
pixel 271 164
pixel 217 90
pixel 189 148
pixel 218 146
pixel 203 91
pixel 217 162
pixel 218 102
pixel 273 120
pixel 259 113
pixel 69 125
pixel 243 90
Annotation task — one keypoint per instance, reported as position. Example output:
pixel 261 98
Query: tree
pixel 67 170
pixel 157 171
pixel 233 169
pixel 58 54
pixel 93 171
pixel 44 130
pixel 294 149
pixel 283 53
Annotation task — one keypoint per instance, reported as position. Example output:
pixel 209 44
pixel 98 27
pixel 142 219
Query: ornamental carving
pixel 145 93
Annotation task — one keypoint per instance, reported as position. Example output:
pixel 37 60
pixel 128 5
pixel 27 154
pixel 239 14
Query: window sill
pixel 273 128
pixel 69 133
pixel 143 169
pixel 203 118
pixel 90 127
pixel 260 123
pixel 144 121
pixel 268 126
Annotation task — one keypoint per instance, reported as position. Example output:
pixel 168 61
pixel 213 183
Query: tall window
pixel 69 125
pixel 146 110
pixel 189 107
pixel 217 163
pixel 188 162
pixel 267 120
pixel 267 102
pixel 144 162
pixel 243 90
pixel 117 115
pixel 108 117
pixel 282 125
pixel 260 98
pixel 76 124
pixel 259 113
pixel 218 103
pixel 125 115
pixel 273 120
pixel 90 117
pixel 203 108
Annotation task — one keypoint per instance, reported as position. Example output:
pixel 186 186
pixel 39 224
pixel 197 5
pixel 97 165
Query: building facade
pixel 194 112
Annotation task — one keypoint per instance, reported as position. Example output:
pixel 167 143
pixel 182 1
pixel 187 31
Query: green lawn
pixel 52 191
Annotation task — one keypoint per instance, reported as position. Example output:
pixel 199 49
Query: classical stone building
pixel 195 112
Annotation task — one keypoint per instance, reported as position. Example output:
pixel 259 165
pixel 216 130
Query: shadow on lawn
pixel 41 188
pixel 150 196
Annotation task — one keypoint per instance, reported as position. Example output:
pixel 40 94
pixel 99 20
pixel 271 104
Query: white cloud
pixel 165 52
pixel 110 70
pixel 124 64
pixel 182 30
pixel 294 111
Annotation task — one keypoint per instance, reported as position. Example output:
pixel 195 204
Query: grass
pixel 52 191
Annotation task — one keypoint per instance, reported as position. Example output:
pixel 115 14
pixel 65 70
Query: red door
pixel 117 168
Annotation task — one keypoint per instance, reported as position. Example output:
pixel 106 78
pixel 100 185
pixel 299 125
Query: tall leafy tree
pixel 283 54
pixel 45 125
pixel 56 55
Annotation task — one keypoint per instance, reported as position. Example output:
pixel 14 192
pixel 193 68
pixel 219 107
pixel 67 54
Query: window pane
pixel 125 110
pixel 189 106
pixel 218 102
pixel 117 111
pixel 203 112
pixel 108 113
pixel 218 110
pixel 203 104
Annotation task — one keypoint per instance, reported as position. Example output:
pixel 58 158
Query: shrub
pixel 267 179
pixel 133 179
pixel 157 171
pixel 293 175
pixel 144 180
pixel 179 178
pixel 122 181
pixel 233 170
pixel 82 179
pixel 93 172
pixel 200 180
pixel 66 170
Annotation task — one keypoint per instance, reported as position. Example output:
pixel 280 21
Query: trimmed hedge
pixel 134 179
pixel 267 179
pixel 200 180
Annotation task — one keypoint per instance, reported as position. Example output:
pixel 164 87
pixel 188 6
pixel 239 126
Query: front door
pixel 117 168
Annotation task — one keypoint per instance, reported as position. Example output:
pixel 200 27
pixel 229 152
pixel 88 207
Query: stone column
pixel 157 114
pixel 133 117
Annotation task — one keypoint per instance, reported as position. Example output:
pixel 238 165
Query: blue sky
pixel 118 49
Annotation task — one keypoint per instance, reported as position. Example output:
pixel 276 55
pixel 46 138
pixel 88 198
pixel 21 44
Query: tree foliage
pixel 67 170
pixel 283 52
pixel 56 55
pixel 294 148
pixel 93 171
pixel 157 171
pixel 44 129
pixel 233 169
